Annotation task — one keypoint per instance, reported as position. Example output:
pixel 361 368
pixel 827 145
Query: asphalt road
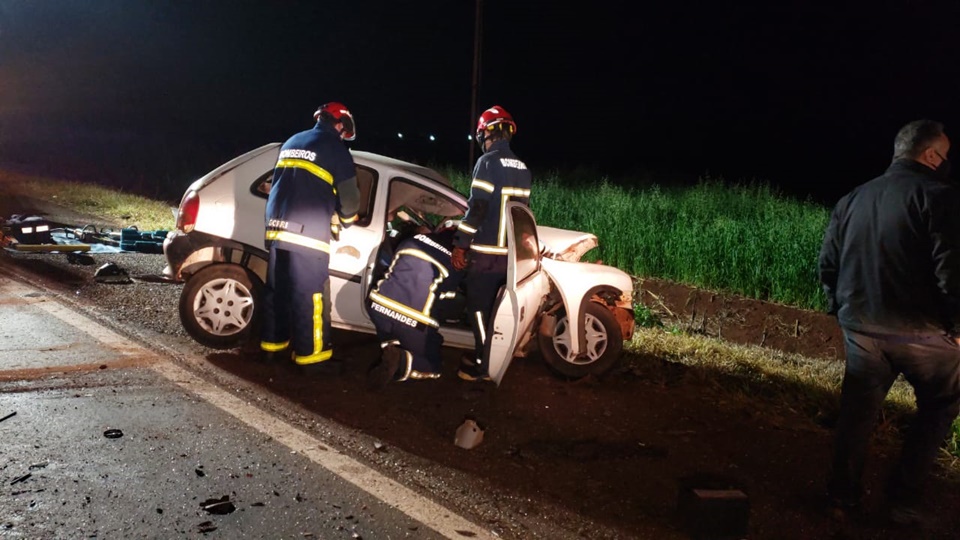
pixel 105 438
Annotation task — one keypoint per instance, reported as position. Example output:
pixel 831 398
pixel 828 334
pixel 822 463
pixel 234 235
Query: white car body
pixel 228 229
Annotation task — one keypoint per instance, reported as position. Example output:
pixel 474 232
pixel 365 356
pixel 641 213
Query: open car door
pixel 519 301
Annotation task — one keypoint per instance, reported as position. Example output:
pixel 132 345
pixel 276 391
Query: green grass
pixel 121 209
pixel 747 239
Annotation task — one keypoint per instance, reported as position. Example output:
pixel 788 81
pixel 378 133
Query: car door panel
pixel 519 301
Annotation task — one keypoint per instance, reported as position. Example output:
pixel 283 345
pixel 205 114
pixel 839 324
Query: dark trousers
pixel 486 274
pixel 932 366
pixel 297 306
pixel 421 344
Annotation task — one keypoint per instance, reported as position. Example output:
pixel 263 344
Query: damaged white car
pixel 578 314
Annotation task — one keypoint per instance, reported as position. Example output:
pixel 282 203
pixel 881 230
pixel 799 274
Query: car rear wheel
pixel 218 305
pixel 603 344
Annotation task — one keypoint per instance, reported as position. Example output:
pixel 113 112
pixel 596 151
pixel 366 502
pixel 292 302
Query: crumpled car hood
pixel 565 245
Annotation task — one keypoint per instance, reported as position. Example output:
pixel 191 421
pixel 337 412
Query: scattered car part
pixel 469 435
pixel 218 506
pixel 111 273
pixel 19 479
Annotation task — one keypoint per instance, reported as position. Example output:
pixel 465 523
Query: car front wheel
pixel 603 344
pixel 218 305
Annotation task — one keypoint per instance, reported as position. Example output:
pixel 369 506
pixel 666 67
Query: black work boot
pixel 471 370
pixel 388 369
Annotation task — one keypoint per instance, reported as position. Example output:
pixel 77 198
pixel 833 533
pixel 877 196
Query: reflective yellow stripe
pixel 298 239
pixel 409 361
pixel 349 219
pixel 483 331
pixel 313 358
pixel 426 257
pixel 402 309
pixel 515 192
pixel 420 376
pixel 274 347
pixel 494 250
pixel 312 168
pixel 319 355
pixel 466 228
pixel 482 184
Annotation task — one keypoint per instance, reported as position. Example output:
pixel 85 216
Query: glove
pixel 459 258
pixel 335 227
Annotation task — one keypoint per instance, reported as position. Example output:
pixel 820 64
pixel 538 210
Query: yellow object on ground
pixel 51 247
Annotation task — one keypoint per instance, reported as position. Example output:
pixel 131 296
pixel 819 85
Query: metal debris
pixel 218 506
pixel 20 479
pixel 113 434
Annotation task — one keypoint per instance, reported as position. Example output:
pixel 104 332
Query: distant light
pixel 399 135
pixel 469 137
pixel 432 138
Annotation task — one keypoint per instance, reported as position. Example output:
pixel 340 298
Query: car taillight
pixel 187 214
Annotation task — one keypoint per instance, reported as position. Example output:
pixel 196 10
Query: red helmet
pixel 337 113
pixel 493 117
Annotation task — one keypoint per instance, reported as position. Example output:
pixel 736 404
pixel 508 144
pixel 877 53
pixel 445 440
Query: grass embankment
pixel 117 207
pixel 746 239
pixel 704 235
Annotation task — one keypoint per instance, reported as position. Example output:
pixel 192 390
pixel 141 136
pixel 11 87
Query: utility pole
pixel 477 32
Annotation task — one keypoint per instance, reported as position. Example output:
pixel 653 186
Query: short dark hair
pixel 915 137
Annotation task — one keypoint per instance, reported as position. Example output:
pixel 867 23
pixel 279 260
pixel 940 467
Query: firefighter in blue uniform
pixel 498 177
pixel 314 194
pixel 408 305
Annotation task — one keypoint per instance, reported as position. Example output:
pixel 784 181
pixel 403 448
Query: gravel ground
pixel 152 305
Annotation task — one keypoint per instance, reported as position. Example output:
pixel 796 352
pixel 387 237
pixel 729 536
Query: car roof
pixel 361 156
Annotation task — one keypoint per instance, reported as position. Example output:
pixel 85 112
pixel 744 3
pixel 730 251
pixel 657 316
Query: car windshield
pixel 412 206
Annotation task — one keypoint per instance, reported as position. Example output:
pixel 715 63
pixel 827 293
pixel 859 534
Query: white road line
pixel 431 514
pixel 100 333
pixel 394 494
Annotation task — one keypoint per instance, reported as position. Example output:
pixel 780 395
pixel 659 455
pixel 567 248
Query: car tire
pixel 603 344
pixel 219 305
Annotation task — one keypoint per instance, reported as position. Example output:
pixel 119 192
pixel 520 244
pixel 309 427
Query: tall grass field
pixel 747 239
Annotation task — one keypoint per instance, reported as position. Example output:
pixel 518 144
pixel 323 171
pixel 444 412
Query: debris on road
pixel 14 413
pixel 218 506
pixel 20 479
pixel 469 435
pixel 111 273
pixel 113 434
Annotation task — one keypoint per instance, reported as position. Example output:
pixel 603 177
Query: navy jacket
pixel 420 276
pixel 890 260
pixel 314 165
pixel 498 177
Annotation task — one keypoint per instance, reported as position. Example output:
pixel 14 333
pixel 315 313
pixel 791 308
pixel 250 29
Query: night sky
pixel 806 98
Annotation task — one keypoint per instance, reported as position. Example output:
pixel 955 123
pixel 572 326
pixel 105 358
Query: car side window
pixel 366 182
pixel 526 244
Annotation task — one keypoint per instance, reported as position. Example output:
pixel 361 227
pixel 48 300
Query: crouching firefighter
pixel 314 194
pixel 409 303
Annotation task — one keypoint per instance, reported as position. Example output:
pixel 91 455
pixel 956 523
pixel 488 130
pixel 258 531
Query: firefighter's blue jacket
pixel 498 177
pixel 419 278
pixel 314 165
